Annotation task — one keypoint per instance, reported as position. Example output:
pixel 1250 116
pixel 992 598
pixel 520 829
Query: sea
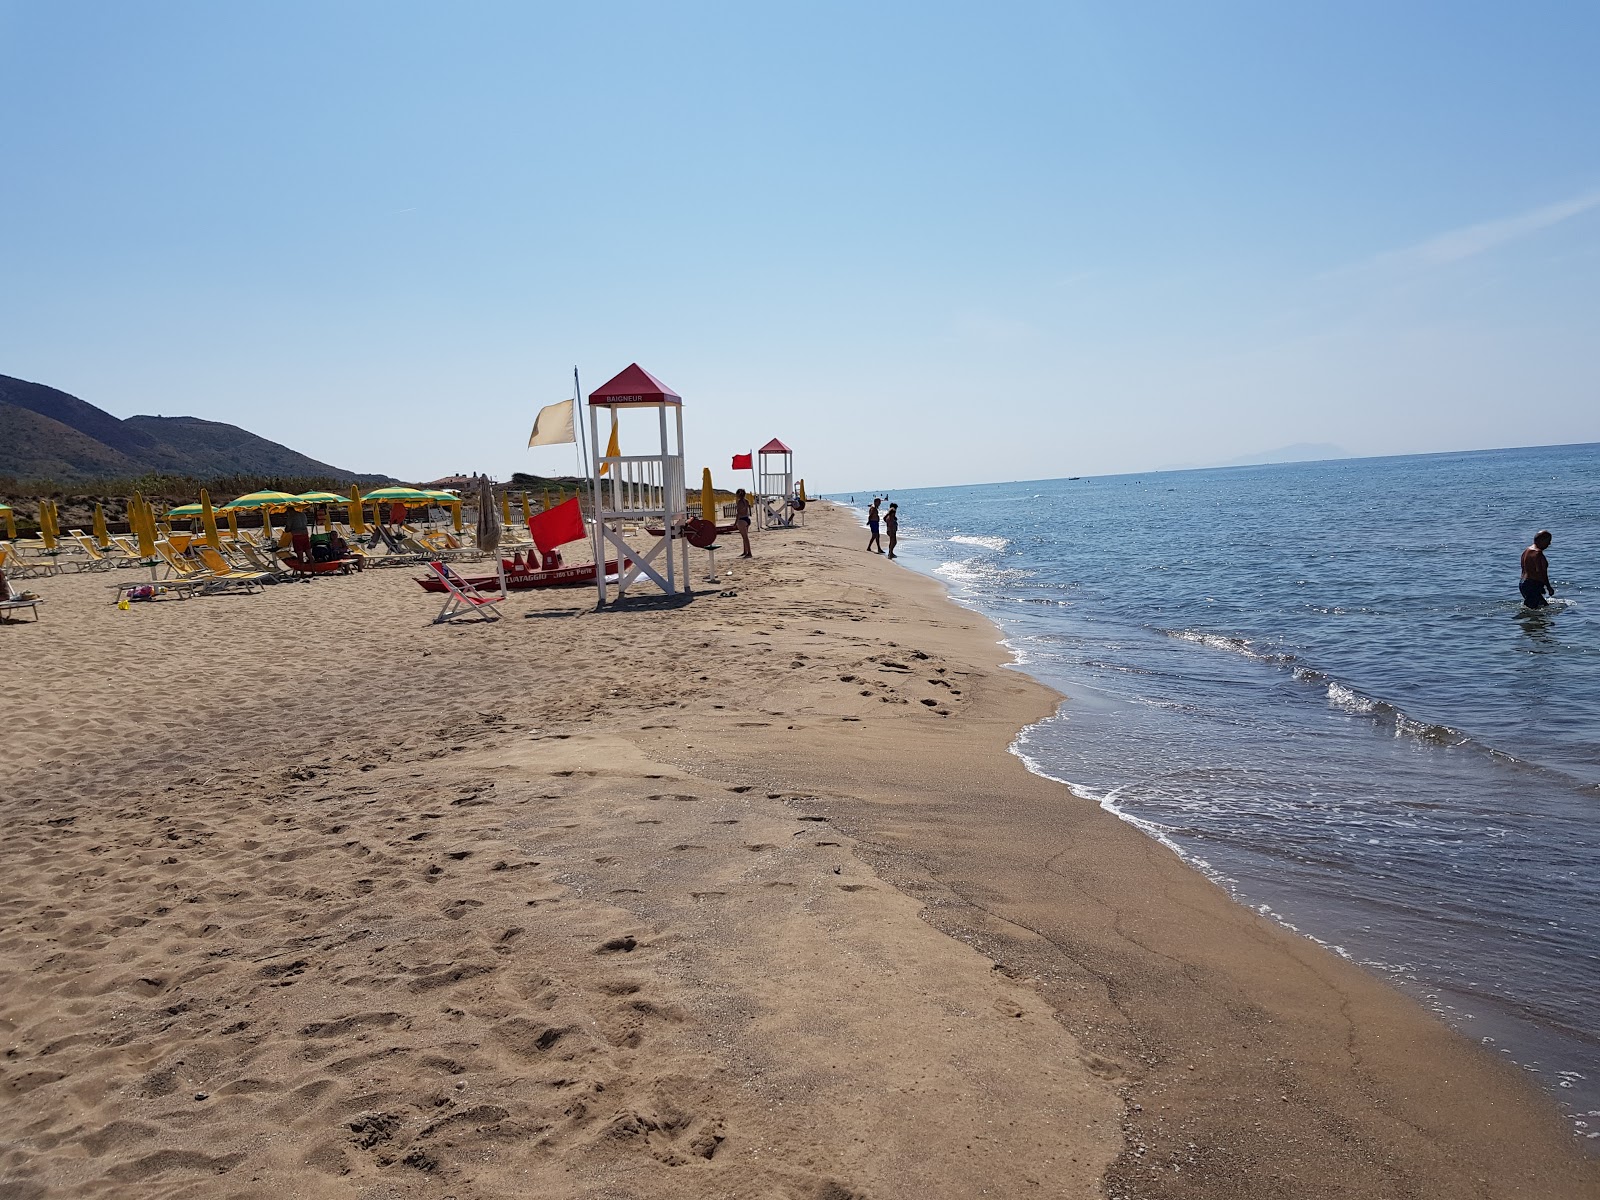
pixel 1317 683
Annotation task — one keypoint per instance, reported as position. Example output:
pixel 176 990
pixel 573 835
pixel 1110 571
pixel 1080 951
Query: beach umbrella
pixel 11 521
pixel 488 518
pixel 264 500
pixel 144 526
pixel 505 510
pixel 208 521
pixel 404 495
pixel 102 539
pixel 358 526
pixel 803 499
pixel 455 514
pixel 527 509
pixel 547 499
pixel 184 512
pixel 48 532
pixel 266 521
pixel 708 496
pixel 233 524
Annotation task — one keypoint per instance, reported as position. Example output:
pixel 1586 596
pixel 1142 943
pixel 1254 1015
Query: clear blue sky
pixel 924 243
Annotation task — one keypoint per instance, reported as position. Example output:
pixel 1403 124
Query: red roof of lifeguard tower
pixel 775 447
pixel 633 385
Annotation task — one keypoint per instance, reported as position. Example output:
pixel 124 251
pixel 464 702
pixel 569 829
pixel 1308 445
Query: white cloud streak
pixel 1457 245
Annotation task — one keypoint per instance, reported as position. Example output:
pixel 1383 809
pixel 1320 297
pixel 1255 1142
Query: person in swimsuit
pixel 1536 571
pixel 891 526
pixel 741 520
pixel 872 527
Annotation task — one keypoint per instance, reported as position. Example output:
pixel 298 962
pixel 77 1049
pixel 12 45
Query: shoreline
pixel 742 897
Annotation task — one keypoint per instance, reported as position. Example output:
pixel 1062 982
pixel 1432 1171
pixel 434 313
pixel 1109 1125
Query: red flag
pixel 557 526
pixel 741 462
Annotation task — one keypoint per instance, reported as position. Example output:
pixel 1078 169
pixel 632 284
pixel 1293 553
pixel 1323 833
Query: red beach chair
pixel 462 598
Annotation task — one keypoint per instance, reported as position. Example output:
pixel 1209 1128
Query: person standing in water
pixel 872 527
pixel 891 526
pixel 1536 571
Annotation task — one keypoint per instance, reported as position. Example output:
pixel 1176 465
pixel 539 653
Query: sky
pixel 923 243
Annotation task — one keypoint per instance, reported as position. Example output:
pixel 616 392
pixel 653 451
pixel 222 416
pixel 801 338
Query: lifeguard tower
pixel 640 496
pixel 775 480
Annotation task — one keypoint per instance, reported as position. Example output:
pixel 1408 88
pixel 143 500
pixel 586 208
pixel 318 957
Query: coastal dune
pixel 304 895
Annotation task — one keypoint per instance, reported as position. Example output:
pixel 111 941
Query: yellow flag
pixel 612 450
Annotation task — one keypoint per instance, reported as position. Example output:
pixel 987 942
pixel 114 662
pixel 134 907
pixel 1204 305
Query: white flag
pixel 553 425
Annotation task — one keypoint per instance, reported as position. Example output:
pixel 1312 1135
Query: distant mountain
pixel 48 433
pixel 1299 452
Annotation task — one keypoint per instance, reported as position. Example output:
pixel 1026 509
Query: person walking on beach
pixel 872 527
pixel 891 526
pixel 1536 571
pixel 741 520
pixel 299 533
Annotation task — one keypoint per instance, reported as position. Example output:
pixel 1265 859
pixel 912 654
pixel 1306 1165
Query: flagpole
pixel 577 419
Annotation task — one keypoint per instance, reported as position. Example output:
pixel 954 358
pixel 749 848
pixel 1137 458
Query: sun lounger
pixel 20 566
pixel 8 607
pixel 462 598
pixel 93 559
pixel 224 574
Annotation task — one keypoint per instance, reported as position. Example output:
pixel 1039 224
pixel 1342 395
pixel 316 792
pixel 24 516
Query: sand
pixel 745 897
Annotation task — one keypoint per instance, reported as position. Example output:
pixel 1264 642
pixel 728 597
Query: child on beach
pixel 891 525
pixel 872 527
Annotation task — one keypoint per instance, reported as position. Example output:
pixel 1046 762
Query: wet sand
pixel 742 897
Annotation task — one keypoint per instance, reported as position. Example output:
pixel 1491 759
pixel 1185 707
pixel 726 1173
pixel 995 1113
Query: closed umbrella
pixel 489 529
pixel 358 526
pixel 102 538
pixel 708 496
pixel 233 524
pixel 505 509
pixel 455 514
pixel 488 518
pixel 527 509
pixel 11 521
pixel 208 521
pixel 266 522
pixel 144 526
pixel 47 525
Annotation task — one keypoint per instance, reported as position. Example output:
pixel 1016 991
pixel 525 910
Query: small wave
pixel 988 543
pixel 1234 645
pixel 1352 701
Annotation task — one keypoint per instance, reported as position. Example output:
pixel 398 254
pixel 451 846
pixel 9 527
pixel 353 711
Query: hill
pixel 46 433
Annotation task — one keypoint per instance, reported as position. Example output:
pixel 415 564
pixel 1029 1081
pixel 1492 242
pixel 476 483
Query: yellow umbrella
pixel 357 525
pixel 266 521
pixel 803 499
pixel 527 509
pixel 47 525
pixel 102 538
pixel 547 499
pixel 11 523
pixel 208 521
pixel 455 515
pixel 505 510
pixel 708 496
pixel 144 526
pixel 233 524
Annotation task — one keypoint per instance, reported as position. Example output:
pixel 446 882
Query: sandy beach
pixel 303 895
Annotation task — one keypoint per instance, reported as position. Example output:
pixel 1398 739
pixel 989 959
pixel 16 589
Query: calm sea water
pixel 1318 683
